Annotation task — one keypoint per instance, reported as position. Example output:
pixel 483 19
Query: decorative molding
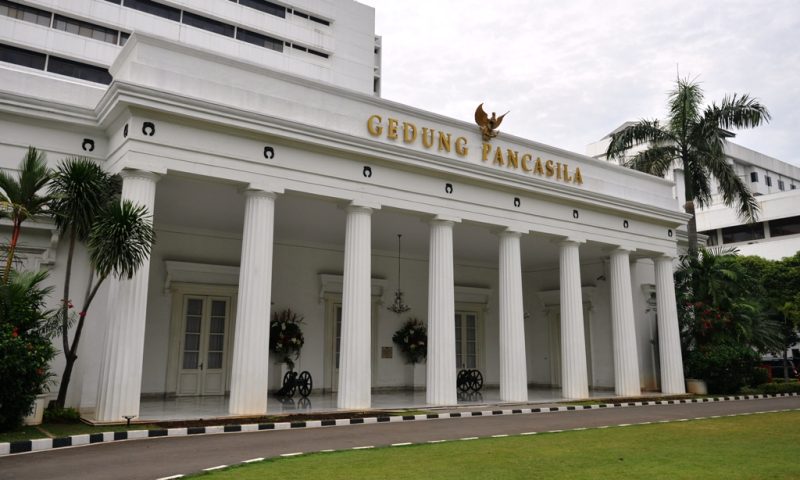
pixel 333 283
pixel 478 295
pixel 203 273
pixel 552 298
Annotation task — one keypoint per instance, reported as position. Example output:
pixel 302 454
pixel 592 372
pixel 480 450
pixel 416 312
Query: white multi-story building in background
pixel 277 179
pixel 776 185
pixel 323 40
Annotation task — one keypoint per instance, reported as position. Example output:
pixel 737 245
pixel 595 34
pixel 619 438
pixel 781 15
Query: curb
pixel 44 444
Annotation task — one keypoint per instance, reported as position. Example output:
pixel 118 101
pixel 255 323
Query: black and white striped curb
pixel 544 432
pixel 37 445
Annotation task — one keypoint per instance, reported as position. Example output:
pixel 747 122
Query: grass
pixel 746 447
pixel 55 430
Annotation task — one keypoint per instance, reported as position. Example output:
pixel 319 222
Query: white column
pixel 250 367
pixel 513 370
pixel 574 377
pixel 626 358
pixel 441 364
pixel 669 342
pixel 120 384
pixel 355 369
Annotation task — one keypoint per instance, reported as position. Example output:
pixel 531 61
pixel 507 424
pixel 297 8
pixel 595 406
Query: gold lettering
pixel 427 137
pixel 525 159
pixel 548 166
pixel 498 157
pixel 513 158
pixel 567 178
pixel 409 132
pixel 391 130
pixel 487 147
pixel 537 168
pixel 558 171
pixel 444 141
pixel 373 125
pixel 461 147
pixel 578 176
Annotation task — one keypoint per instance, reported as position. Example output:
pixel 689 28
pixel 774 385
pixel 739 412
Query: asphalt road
pixel 162 457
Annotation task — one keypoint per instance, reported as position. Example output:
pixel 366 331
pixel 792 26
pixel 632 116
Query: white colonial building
pixel 278 179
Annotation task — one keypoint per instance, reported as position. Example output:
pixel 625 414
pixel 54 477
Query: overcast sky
pixel 571 71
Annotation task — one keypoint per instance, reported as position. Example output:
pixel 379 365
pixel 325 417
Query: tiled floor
pixel 184 408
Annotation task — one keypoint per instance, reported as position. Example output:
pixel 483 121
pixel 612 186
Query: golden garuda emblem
pixel 488 124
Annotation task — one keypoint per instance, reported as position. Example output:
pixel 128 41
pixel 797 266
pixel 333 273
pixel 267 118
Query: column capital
pixel 143 174
pixel 352 208
pixel 254 192
pixel 509 232
pixel 620 250
pixel 569 241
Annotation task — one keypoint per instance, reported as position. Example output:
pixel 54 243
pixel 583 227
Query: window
pixel 742 233
pixel 25 13
pixel 712 237
pixel 319 54
pixel 260 40
pixel 753 177
pixel 18 56
pixel 154 8
pixel 792 187
pixel 208 24
pixel 784 226
pixel 78 70
pixel 781 185
pixel 266 7
pixel 123 38
pixel 768 180
pixel 318 20
pixel 85 29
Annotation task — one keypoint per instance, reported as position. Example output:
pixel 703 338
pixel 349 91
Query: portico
pixel 278 193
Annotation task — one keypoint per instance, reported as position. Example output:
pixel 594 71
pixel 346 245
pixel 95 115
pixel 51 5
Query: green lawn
pixel 747 447
pixel 55 430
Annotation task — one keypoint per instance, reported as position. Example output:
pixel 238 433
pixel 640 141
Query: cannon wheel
pixel 289 383
pixel 305 383
pixel 462 381
pixel 476 380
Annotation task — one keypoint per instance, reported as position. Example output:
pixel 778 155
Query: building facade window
pixel 260 40
pixel 83 71
pixel 85 29
pixel 264 6
pixel 153 8
pixel 742 233
pixel 25 13
pixel 712 237
pixel 214 26
pixel 784 226
pixel 781 185
pixel 19 56
pixel 768 180
pixel 753 177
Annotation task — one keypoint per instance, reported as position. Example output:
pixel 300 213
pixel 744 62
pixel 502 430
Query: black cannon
pixel 292 381
pixel 469 380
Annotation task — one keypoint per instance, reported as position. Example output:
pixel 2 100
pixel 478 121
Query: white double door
pixel 205 326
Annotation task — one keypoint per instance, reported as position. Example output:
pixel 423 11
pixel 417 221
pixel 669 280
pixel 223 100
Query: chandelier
pixel 398 306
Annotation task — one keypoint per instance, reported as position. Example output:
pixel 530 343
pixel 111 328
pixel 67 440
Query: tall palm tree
pixel 118 236
pixel 20 197
pixel 693 138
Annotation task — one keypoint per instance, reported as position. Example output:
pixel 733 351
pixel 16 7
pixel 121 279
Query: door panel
pixel 205 324
pixel 467 343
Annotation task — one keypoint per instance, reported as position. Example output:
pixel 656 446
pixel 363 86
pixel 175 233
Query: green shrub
pixel 25 347
pixel 56 414
pixel 726 366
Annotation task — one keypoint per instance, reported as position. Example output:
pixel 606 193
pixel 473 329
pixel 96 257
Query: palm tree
pixel 118 236
pixel 693 138
pixel 20 197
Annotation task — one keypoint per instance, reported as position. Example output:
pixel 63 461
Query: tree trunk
pixel 688 206
pixel 785 365
pixel 62 388
pixel 12 246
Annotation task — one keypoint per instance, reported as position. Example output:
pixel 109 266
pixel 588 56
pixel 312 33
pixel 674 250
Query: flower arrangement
pixel 412 340
pixel 286 336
